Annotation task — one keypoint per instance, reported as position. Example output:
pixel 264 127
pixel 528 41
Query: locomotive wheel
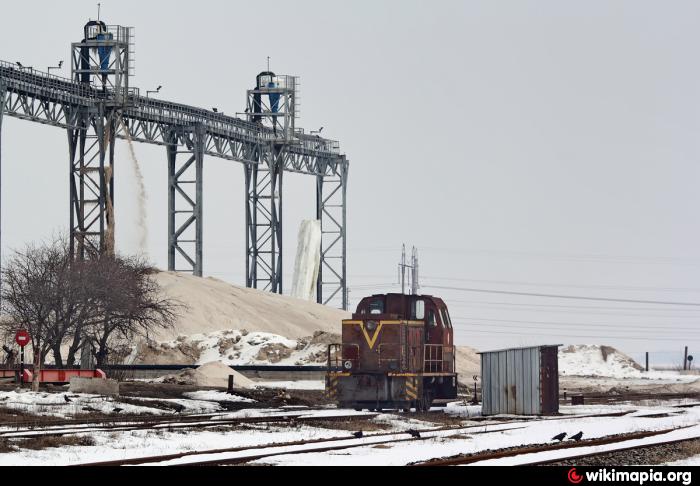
pixel 425 404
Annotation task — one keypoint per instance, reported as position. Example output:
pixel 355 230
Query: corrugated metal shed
pixel 522 381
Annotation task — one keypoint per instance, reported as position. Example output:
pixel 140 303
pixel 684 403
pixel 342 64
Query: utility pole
pixel 412 270
pixel 414 277
pixel 402 270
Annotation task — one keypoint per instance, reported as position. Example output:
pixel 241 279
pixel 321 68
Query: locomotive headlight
pixel 371 325
pixel 348 365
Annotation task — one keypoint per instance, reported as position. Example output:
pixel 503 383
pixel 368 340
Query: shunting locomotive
pixel 397 352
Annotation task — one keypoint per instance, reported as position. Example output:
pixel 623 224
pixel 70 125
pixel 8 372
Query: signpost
pixel 475 401
pixel 22 339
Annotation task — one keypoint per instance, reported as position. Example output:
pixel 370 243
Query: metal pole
pixel 199 168
pixel 647 361
pixel 319 218
pixel 172 156
pixel 346 168
pixel 21 365
pixel 685 359
pixel 3 92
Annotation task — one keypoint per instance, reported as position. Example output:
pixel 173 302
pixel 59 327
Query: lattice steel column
pixel 331 200
pixel 264 219
pixel 3 92
pixel 91 149
pixel 185 167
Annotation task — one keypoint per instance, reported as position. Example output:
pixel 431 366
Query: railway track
pixel 299 447
pixel 479 457
pixel 199 422
pixel 243 455
pixel 602 399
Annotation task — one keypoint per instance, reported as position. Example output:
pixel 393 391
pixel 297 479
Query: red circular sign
pixel 22 337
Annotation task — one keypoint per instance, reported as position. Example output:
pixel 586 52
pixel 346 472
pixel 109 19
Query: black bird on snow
pixel 577 437
pixel 414 433
pixel 90 409
pixel 117 410
pixel 179 408
pixel 358 435
pixel 559 437
pixel 65 397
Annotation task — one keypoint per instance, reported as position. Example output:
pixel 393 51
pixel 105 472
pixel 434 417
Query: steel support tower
pixel 101 62
pixel 97 106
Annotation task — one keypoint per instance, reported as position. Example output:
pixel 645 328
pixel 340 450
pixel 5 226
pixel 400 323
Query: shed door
pixel 549 381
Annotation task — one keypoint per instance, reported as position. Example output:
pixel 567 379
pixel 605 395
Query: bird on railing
pixel 559 437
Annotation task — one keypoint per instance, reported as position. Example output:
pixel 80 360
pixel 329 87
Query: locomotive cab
pixel 397 351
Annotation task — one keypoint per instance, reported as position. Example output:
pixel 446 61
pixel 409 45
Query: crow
pixel 559 437
pixel 90 409
pixel 117 410
pixel 179 408
pixel 68 400
pixel 414 433
pixel 577 437
pixel 358 435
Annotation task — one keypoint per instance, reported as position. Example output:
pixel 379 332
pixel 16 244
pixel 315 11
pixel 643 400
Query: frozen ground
pixel 476 437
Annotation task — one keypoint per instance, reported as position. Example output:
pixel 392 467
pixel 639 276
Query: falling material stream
pixel 141 219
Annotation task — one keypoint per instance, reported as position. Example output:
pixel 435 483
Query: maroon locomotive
pixel 397 353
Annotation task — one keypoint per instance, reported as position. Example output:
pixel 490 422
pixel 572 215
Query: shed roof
pixel 526 347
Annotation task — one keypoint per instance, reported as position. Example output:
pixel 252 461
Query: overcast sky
pixel 546 147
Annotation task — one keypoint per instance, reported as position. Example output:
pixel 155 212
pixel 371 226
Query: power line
pixel 637 327
pixel 556 296
pixel 661 260
pixel 573 306
pixel 552 311
pixel 540 284
pixel 638 338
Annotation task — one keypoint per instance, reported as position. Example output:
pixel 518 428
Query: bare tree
pixel 32 282
pixel 131 304
pixel 104 302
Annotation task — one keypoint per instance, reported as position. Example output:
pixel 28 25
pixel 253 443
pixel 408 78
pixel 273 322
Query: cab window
pixel 418 310
pixel 446 319
pixel 376 307
pixel 432 319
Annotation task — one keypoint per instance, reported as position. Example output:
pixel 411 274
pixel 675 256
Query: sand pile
pixel 213 374
pixel 233 347
pixel 214 305
pixel 596 360
pixel 468 364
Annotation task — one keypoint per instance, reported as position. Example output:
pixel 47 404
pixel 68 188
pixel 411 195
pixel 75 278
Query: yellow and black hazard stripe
pixel 411 388
pixel 331 387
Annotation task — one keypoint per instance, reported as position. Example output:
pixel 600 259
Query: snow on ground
pixel 490 437
pixel 216 396
pixel 472 437
pixel 522 459
pixel 234 347
pixel 111 446
pixel 690 461
pixel 55 404
pixel 605 361
pixel 293 385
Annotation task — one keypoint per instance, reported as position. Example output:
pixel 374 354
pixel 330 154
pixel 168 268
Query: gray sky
pixel 529 146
